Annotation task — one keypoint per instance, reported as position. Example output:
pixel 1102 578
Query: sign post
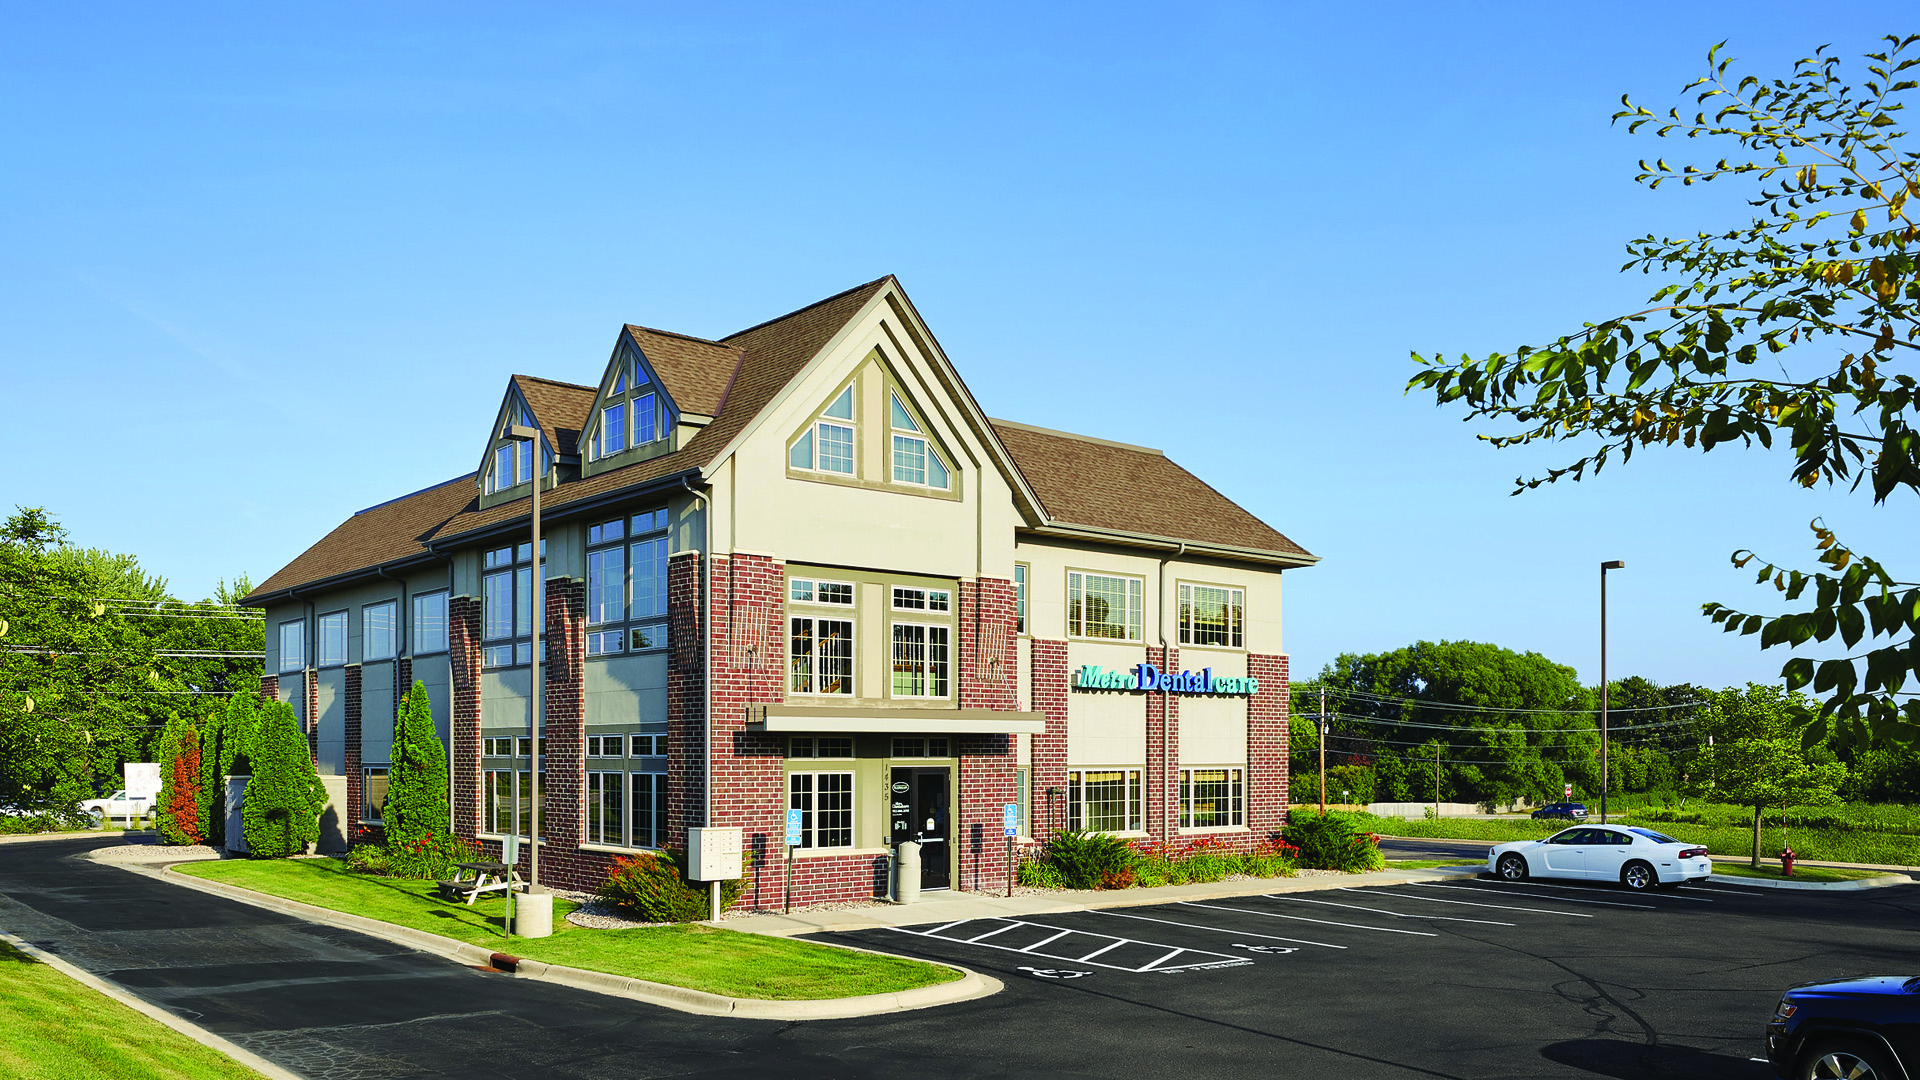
pixel 793 841
pixel 1010 823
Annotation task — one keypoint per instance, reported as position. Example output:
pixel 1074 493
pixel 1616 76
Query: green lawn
pixel 57 1029
pixel 1431 864
pixel 697 957
pixel 1832 843
pixel 1800 873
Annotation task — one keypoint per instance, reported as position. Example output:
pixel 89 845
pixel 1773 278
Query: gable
pixel 633 415
pixel 508 465
pixel 870 431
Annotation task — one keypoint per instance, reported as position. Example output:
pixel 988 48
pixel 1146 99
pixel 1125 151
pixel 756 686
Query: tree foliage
pixel 1755 758
pixel 182 810
pixel 417 804
pixel 224 742
pixel 1821 276
pixel 284 797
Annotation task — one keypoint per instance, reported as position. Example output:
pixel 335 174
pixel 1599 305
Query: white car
pixel 1638 858
pixel 117 805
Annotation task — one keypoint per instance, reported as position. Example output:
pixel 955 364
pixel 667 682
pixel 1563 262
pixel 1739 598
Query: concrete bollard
pixel 906 873
pixel 533 914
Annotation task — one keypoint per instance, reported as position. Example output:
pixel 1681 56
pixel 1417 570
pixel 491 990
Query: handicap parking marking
pixel 1302 918
pixel 1501 887
pixel 1384 911
pixel 1219 930
pixel 1469 903
pixel 1058 943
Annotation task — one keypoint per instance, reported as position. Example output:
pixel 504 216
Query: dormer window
pixel 632 414
pixel 915 461
pixel 827 445
pixel 513 458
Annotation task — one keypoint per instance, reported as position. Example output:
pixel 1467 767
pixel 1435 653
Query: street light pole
pixel 532 435
pixel 1323 751
pixel 1605 778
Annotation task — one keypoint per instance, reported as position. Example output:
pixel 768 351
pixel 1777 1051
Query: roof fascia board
pixel 565 511
pixel 261 600
pixel 1064 531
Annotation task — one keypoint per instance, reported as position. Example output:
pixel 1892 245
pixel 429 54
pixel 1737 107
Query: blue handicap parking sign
pixel 1012 819
pixel 793 828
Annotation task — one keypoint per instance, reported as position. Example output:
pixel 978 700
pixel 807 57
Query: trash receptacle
pixel 906 872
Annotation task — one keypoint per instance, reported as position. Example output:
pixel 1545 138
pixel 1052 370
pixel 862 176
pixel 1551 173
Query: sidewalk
pixel 1480 847
pixel 948 907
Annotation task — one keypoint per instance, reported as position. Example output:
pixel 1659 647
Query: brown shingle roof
pixel 695 370
pixel 386 533
pixel 1098 484
pixel 560 408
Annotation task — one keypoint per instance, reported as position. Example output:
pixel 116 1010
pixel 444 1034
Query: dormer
pixel 633 418
pixel 507 470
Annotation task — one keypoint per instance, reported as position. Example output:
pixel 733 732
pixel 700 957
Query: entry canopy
pixel 791 718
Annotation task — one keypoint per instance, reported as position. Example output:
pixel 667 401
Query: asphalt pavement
pixel 1458 979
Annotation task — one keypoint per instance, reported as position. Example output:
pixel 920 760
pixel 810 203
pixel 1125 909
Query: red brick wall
pixel 749 770
pixel 1047 680
pixel 310 716
pixel 686 683
pixel 1163 750
pixel 463 646
pixel 269 688
pixel 562 733
pixel 350 813
pixel 1267 745
pixel 988 646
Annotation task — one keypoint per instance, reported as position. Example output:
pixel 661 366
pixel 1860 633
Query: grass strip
pixel 1818 845
pixel 57 1029
pixel 696 957
pixel 1800 873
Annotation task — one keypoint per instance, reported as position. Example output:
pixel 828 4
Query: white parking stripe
pixel 1302 918
pixel 1557 899
pixel 1469 903
pixel 988 934
pixel 1205 958
pixel 1384 911
pixel 1577 888
pixel 1730 888
pixel 1169 956
pixel 1044 941
pixel 1221 929
pixel 1117 942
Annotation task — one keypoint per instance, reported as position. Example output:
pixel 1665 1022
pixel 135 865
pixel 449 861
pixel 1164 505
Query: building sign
pixel 1150 677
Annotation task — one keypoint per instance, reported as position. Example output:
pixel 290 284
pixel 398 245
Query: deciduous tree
pixel 1755 758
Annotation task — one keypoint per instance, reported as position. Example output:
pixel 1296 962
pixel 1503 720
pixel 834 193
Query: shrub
pixel 1039 874
pixel 416 809
pixel 1332 842
pixel 367 859
pixel 284 798
pixel 426 857
pixel 179 802
pixel 655 887
pixel 1086 859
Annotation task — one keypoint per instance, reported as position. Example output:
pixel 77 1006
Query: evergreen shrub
pixel 417 806
pixel 655 887
pixel 1089 860
pixel 179 804
pixel 1332 842
pixel 281 810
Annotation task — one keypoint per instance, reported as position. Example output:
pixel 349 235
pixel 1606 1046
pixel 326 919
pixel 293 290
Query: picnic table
pixel 471 879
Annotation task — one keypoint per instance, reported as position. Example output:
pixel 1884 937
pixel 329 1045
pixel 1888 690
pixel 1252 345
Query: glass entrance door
pixel 922 810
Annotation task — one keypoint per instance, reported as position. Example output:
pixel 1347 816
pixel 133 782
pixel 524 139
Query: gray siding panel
pixel 376 713
pixel 332 686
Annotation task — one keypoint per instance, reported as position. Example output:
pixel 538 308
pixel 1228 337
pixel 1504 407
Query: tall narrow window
pixel 613 429
pixel 1099 606
pixel 507 591
pixel 330 640
pixel 820 657
pixel 627 584
pixel 373 794
pixel 915 461
pixel 920 660
pixel 643 420
pixel 606 808
pixel 430 623
pixel 1020 572
pixel 293 638
pixel 379 631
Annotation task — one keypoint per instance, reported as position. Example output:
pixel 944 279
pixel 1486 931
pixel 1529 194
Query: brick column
pixel 988 645
pixel 463 727
pixel 1163 750
pixel 1267 745
pixel 986 680
pixel 563 731
pixel 749 768
pixel 686 688
pixel 311 718
pixel 1048 682
pixel 350 828
pixel 269 688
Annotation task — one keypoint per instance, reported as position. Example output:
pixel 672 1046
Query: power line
pixel 1456 727
pixel 1422 703
pixel 210 654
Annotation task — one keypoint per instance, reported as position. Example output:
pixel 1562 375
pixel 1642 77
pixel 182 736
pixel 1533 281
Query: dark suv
pixel 1863 1028
pixel 1568 811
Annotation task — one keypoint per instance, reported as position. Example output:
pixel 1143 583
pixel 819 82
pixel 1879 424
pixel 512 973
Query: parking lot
pixel 1469 978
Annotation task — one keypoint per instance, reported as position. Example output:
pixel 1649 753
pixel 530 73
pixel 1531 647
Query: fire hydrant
pixel 1786 863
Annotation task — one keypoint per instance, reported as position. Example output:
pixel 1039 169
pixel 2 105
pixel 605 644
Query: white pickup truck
pixel 116 806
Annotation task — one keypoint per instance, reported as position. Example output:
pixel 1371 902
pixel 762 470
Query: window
pixel 1103 800
pixel 430 623
pixel 916 746
pixel 606 808
pixel 607 746
pixel 513 460
pixel 822 747
pixel 644 420
pixel 827 446
pixel 649 809
pixel 627 584
pixel 905 599
pixel 293 638
pixel 804 591
pixel 1212 798
pixel 379 631
pixel 502 746
pixel 330 640
pixel 507 591
pixel 825 802
pixel 914 460
pixel 1099 606
pixel 820 659
pixel 1020 572
pixel 373 794
pixel 1211 615
pixel 632 414
pixel 920 660
pixel 509 802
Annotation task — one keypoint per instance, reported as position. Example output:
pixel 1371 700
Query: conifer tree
pixel 417 783
pixel 180 803
pixel 224 739
pixel 284 797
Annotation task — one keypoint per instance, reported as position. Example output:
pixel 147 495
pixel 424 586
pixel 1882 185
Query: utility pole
pixel 1323 751
pixel 1605 778
pixel 1436 780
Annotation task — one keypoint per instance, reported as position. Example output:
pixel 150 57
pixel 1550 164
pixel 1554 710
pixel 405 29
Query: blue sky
pixel 262 268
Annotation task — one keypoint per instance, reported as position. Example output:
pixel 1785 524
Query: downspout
pixel 1166 701
pixel 402 647
pixel 706 672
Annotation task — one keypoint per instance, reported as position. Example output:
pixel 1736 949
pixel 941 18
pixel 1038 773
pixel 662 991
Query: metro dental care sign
pixel 1150 677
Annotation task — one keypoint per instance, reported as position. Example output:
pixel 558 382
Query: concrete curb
pixel 1879 882
pixel 969 986
pixel 77 834
pixel 185 1027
